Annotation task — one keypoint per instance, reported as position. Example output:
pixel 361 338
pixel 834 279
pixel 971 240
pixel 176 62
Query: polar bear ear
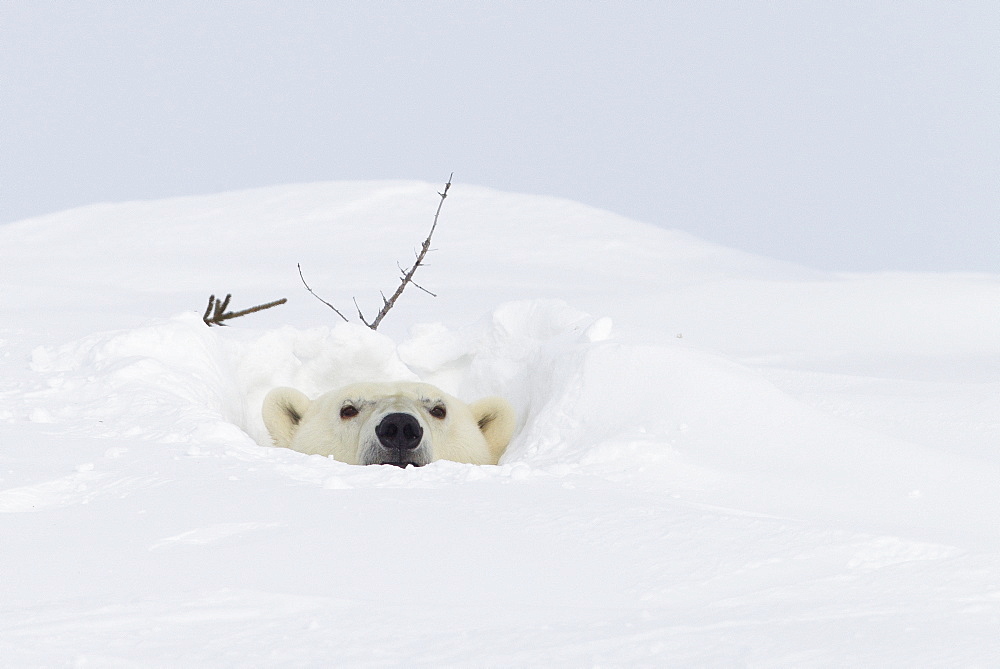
pixel 496 420
pixel 283 411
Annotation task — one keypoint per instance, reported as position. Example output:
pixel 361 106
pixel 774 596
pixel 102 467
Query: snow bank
pixel 720 459
pixel 676 418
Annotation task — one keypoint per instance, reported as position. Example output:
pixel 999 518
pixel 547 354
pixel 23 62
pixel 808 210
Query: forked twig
pixel 406 275
pixel 216 311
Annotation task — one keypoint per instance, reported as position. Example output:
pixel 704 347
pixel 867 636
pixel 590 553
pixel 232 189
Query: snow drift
pixel 719 457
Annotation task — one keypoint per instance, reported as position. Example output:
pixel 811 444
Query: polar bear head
pixel 399 423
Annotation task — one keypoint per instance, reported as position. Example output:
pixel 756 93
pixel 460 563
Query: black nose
pixel 399 430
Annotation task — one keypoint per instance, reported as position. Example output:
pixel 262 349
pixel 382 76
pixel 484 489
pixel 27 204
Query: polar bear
pixel 401 423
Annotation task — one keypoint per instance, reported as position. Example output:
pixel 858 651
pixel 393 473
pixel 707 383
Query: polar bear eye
pixel 439 411
pixel 348 411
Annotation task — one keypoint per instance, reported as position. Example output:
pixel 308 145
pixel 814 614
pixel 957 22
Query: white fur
pixel 476 434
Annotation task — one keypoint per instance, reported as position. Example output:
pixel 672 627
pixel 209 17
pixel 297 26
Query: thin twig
pixel 361 315
pixel 417 285
pixel 337 311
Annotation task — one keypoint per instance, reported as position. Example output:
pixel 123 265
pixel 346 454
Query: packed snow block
pixel 401 423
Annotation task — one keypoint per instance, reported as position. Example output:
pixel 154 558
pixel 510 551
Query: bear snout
pixel 399 431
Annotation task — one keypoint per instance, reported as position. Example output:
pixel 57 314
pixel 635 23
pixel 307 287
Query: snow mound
pixel 720 459
pixel 667 416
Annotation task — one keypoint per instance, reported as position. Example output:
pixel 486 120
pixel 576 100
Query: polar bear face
pixel 390 423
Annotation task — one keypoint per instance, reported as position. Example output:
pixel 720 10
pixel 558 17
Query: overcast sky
pixel 842 135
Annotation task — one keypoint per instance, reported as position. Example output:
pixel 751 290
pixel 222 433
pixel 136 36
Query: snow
pixel 721 459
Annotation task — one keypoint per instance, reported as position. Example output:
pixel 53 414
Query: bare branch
pixel 216 311
pixel 299 265
pixel 406 275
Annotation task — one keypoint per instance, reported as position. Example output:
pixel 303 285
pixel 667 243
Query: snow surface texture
pixel 721 460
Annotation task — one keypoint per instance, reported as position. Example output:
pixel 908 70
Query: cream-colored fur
pixel 342 424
